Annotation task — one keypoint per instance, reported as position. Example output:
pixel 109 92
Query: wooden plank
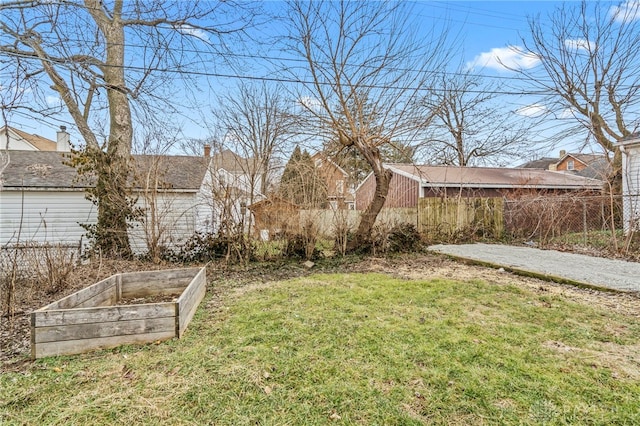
pixel 59 333
pixel 186 305
pixel 184 274
pixel 78 297
pixel 141 284
pixel 190 308
pixel 197 280
pixel 102 314
pixel 70 347
pixel 109 297
pixel 190 300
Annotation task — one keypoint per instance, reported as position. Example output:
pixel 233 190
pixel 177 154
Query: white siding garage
pixel 631 182
pixel 43 202
pixel 44 217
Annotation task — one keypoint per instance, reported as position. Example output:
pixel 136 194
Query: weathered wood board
pixel 189 300
pixel 92 319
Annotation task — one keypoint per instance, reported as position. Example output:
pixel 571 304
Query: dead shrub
pixel 33 268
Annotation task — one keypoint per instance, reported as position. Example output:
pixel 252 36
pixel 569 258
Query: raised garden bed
pixel 102 315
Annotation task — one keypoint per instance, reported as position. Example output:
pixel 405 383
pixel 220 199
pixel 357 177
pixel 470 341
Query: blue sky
pixel 485 30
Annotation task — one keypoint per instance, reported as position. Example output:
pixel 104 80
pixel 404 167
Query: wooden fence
pixel 434 217
pixel 445 217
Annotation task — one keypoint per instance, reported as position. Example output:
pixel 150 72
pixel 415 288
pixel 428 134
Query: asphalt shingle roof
pixel 48 170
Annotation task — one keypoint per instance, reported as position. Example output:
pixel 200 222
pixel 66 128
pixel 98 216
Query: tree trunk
pixel 114 205
pixel 112 169
pixel 362 236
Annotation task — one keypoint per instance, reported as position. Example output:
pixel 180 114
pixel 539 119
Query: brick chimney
pixel 562 153
pixel 63 141
pixel 207 150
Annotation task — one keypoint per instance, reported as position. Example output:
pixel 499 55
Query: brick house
pixel 339 194
pixel 594 166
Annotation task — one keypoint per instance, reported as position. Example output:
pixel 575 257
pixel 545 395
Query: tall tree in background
pixel 468 129
pixel 101 58
pixel 589 68
pixel 301 184
pixel 257 126
pixel 351 160
pixel 362 57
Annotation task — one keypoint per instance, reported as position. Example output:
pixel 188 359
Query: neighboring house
pixel 13 139
pixel 579 163
pixel 593 166
pixel 411 182
pixel 630 149
pixel 339 194
pixel 43 201
pixel 544 163
pixel 233 185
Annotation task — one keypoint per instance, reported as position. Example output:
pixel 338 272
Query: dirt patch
pixel 15 335
pixel 159 298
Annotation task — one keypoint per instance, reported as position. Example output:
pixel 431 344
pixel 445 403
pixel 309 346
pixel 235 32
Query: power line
pixel 294 80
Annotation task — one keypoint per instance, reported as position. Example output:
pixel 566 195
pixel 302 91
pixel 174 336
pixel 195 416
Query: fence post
pixel 584 222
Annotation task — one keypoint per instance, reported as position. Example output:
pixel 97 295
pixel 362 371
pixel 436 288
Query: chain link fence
pixel 588 221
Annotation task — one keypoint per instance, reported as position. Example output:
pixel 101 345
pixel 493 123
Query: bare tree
pixel 363 78
pixel 468 129
pixel 104 58
pixel 257 126
pixel 589 69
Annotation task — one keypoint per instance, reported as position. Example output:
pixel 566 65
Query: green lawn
pixel 354 349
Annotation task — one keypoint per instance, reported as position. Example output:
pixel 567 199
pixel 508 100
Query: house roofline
pixel 83 188
pixel 630 142
pixel 505 186
pixel 572 156
pixel 326 157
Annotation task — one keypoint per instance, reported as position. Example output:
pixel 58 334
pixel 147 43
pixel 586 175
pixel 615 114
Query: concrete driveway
pixel 550 264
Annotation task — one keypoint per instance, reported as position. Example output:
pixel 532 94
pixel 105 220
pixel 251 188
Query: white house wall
pixel 54 218
pixel 15 144
pixel 44 217
pixel 204 210
pixel 631 187
pixel 176 220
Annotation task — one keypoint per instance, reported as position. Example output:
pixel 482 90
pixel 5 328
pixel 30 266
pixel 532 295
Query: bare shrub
pixel 341 231
pixel 302 245
pixel 34 268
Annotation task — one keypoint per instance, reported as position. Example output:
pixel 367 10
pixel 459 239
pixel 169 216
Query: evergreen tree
pixel 301 184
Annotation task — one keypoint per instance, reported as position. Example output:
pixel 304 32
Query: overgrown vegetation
pixel 203 247
pixel 35 268
pixel 355 349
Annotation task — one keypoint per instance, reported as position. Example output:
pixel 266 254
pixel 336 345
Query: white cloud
pixel 567 113
pixel 54 101
pixel 194 32
pixel 504 58
pixel 533 110
pixel 579 43
pixel 626 12
pixel 310 103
